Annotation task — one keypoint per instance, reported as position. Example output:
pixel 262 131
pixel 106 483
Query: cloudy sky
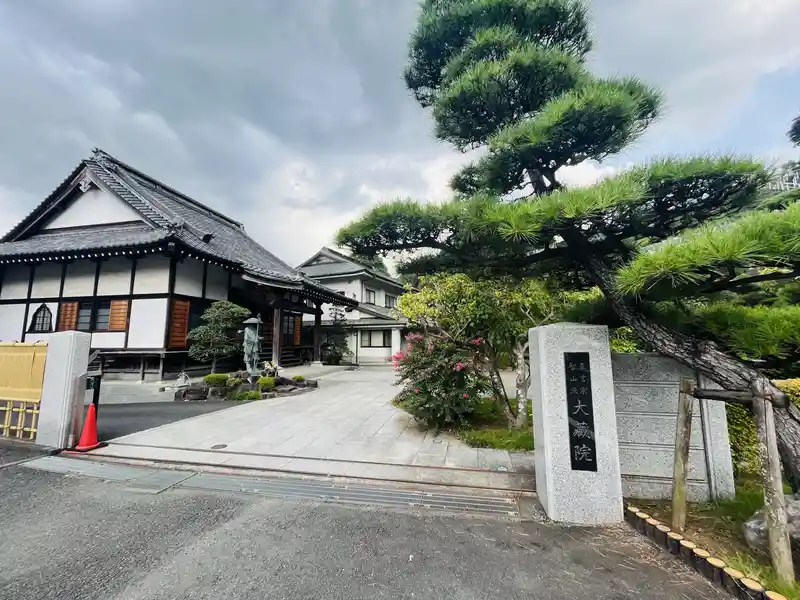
pixel 292 116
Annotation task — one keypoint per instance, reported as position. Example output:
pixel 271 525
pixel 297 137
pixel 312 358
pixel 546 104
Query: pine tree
pixel 510 77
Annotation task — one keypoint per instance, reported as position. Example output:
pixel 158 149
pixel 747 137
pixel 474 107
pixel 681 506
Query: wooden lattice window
pixel 118 316
pixel 67 316
pixel 179 324
pixel 42 321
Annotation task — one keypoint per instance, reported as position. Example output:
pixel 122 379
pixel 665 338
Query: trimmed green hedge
pixel 298 378
pixel 266 383
pixel 742 430
pixel 216 379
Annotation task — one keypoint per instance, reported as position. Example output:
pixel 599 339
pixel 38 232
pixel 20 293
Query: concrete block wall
pixel 646 394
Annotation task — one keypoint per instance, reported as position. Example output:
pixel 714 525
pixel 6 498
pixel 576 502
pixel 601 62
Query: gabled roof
pixel 341 265
pixel 168 215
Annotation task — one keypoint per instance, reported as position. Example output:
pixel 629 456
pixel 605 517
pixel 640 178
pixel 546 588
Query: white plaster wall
pixel 148 318
pixel 95 207
pixel 189 278
pixel 11 316
pixel 216 283
pixel 80 278
pixel 15 282
pixel 115 278
pixel 152 277
pixel 40 337
pixel 108 339
pixel 46 281
pixel 374 355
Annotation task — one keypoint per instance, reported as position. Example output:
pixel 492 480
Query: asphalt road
pixel 115 420
pixel 68 537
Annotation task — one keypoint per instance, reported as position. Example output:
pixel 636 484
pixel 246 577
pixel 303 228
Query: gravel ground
pixel 68 537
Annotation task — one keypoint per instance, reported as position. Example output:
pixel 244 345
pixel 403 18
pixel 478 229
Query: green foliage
pixel 336 349
pixel 716 254
pixel 744 437
pixel 235 381
pixel 500 311
pixel 266 383
pixel 245 396
pixel 298 378
pixel 500 438
pixel 216 379
pixel 441 380
pixel 743 440
pixel 624 339
pixel 447 28
pixel 216 337
pixel 794 131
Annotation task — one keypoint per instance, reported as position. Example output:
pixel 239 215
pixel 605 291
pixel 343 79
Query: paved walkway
pixel 348 427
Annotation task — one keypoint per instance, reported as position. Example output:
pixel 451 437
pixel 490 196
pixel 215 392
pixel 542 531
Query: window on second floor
pixel 391 301
pixel 42 321
pixel 369 296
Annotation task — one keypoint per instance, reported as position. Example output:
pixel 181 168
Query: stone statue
pixel 252 345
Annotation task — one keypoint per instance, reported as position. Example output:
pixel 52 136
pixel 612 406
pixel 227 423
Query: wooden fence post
pixel 774 499
pixel 683 434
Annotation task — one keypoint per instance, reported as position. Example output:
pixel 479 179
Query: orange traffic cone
pixel 89 439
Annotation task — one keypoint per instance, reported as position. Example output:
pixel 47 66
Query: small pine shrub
pixel 234 381
pixel 298 378
pixel 266 383
pixel 216 380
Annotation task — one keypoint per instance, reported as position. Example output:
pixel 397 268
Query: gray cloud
pixel 292 116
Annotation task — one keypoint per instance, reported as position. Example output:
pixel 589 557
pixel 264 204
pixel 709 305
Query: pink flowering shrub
pixel 441 380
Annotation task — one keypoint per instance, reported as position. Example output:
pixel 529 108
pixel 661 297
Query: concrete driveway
pixel 348 427
pixel 68 537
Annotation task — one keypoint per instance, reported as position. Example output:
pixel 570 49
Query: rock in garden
pixel 755 529
pixel 312 383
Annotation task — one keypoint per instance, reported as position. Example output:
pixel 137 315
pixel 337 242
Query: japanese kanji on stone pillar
pixel 575 425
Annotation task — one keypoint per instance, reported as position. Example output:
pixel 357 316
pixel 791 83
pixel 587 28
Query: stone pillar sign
pixel 575 425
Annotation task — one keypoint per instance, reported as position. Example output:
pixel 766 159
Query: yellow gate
pixel 21 378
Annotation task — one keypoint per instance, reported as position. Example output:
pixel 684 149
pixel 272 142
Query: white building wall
pixel 15 282
pixel 46 281
pixel 95 207
pixel 80 278
pixel 108 339
pixel 152 277
pixel 351 288
pixel 216 283
pixel 147 322
pixel 11 316
pixel 189 278
pixel 115 278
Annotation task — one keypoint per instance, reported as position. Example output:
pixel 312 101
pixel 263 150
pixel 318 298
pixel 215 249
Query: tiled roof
pixel 169 214
pixel 343 265
pixel 85 238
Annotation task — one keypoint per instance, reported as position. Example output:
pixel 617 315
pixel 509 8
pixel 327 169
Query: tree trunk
pixel 214 364
pixel 521 420
pixel 497 385
pixel 704 356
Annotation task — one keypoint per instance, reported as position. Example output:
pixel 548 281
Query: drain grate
pixel 154 481
pixel 280 487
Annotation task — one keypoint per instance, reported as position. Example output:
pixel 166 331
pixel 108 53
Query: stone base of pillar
pixel 316 363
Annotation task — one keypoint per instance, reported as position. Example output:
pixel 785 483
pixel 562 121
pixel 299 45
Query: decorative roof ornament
pixel 86 183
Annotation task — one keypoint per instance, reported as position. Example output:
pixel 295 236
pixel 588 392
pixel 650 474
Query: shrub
pixel 742 430
pixel 216 380
pixel 442 381
pixel 298 378
pixel 266 383
pixel 244 396
pixel 234 381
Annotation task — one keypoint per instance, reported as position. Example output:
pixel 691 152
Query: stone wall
pixel 646 393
